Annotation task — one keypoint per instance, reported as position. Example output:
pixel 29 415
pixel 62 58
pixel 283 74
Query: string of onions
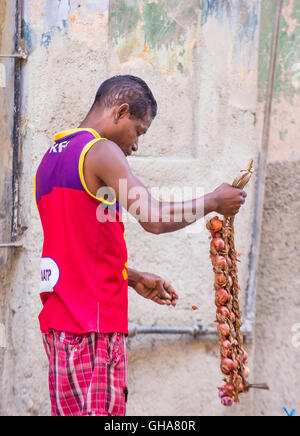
pixel 224 258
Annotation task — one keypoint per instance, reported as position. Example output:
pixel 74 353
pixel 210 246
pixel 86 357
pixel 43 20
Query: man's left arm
pixel 152 287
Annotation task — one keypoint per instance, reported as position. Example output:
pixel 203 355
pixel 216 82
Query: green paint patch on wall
pixel 288 67
pixel 124 16
pixel 167 21
pixel 158 30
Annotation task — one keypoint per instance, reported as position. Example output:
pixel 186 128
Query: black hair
pixel 127 89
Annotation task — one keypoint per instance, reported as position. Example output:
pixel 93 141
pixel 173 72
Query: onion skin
pixel 220 262
pixel 246 372
pixel 226 344
pixel 227 365
pixel 221 297
pixel 226 348
pixel 223 311
pixel 227 390
pixel 221 279
pixel 218 244
pixel 221 393
pixel 224 329
pixel 216 224
pixel 227 401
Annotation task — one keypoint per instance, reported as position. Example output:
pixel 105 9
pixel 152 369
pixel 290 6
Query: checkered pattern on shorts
pixel 87 373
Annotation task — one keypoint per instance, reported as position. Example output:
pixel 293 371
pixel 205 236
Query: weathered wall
pixel 200 59
pixel 285 130
pixel 278 307
pixel 277 322
pixel 6 122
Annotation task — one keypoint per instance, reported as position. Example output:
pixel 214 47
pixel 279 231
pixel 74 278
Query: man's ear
pixel 123 111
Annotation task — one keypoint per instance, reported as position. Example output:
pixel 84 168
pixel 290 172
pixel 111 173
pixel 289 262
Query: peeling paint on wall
pixel 46 17
pixel 289 50
pixel 161 32
pixel 285 131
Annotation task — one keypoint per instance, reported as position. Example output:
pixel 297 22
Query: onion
pixel 221 279
pixel 221 393
pixel 232 317
pixel 216 224
pixel 229 388
pixel 218 244
pixel 246 372
pixel 220 262
pixel 223 311
pixel 245 356
pixel 227 365
pixel 221 297
pixel 226 349
pixel 224 329
pixel 230 282
pixel 226 344
pixel 227 401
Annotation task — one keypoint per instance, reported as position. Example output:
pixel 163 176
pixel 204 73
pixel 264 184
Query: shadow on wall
pixel 278 302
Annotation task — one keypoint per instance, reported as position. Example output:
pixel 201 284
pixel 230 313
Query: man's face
pixel 125 131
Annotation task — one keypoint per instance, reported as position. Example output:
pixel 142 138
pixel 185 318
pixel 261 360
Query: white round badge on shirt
pixel 49 274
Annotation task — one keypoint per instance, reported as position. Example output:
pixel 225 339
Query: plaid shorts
pixel 87 373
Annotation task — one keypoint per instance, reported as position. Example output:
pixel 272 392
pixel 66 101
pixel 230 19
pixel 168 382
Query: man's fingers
pixel 161 301
pixel 162 292
pixel 169 288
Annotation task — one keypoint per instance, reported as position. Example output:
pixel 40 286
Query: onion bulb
pixel 227 365
pixel 226 349
pixel 223 311
pixel 224 329
pixel 220 262
pixel 227 401
pixel 221 279
pixel 246 372
pixel 216 224
pixel 221 297
pixel 218 244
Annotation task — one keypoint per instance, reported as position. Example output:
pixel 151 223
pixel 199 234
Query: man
pixel 81 185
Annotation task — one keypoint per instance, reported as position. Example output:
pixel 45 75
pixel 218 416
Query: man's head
pixel 125 108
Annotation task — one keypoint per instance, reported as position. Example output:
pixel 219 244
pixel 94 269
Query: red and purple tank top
pixel 84 270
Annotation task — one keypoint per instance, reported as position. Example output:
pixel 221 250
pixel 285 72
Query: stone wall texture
pixel 205 63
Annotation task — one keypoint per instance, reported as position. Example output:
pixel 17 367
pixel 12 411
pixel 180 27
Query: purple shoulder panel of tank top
pixel 60 165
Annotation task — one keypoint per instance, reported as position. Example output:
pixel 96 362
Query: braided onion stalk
pixel 224 259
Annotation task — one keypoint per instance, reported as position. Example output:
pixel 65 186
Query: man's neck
pixel 93 122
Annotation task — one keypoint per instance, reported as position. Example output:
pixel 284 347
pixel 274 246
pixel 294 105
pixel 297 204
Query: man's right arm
pixel 108 163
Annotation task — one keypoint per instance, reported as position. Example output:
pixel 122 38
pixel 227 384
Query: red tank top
pixel 84 271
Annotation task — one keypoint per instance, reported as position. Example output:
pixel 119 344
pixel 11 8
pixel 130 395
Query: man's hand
pixel 228 199
pixel 152 287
